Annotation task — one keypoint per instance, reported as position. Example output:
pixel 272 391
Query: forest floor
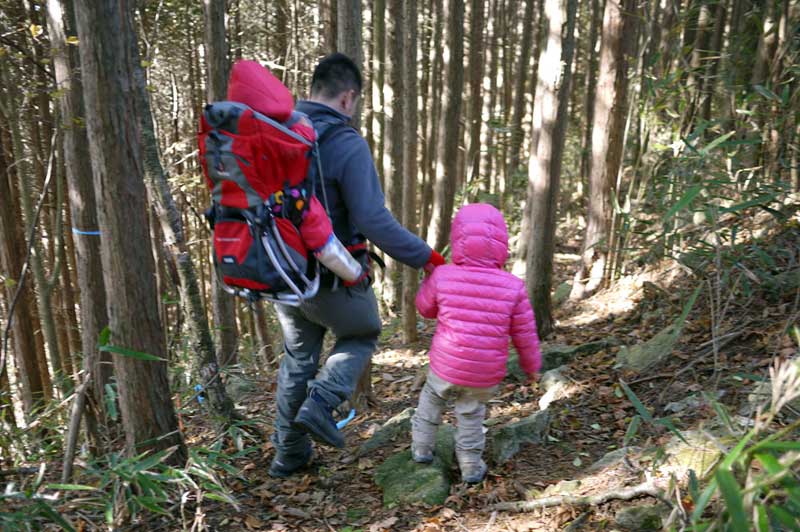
pixel 341 494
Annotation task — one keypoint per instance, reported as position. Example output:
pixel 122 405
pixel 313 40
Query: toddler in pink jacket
pixel 478 306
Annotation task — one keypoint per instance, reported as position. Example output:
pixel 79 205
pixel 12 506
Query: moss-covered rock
pixel 404 481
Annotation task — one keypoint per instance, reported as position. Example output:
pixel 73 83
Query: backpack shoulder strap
pixel 332 129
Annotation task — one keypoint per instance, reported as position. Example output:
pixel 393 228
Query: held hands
pixel 435 260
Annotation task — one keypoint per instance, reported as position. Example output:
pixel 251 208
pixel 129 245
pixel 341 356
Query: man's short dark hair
pixel 335 74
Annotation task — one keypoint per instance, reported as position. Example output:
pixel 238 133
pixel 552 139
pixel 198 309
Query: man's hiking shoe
pixel 421 455
pixel 474 473
pixel 315 418
pixel 283 466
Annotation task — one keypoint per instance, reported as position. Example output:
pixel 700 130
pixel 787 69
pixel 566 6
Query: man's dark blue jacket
pixel 354 194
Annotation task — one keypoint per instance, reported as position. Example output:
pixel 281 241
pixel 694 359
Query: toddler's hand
pixel 533 378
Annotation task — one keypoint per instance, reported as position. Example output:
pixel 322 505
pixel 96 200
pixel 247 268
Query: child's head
pixel 255 86
pixel 479 237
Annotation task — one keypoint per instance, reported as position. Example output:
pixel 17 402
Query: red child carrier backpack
pixel 261 163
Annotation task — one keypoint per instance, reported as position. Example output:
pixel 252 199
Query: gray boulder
pixel 394 427
pixel 642 517
pixel 555 386
pixel 505 442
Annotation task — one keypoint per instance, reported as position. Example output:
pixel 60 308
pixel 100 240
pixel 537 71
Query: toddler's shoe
pixel 315 418
pixel 421 454
pixel 286 465
pixel 474 473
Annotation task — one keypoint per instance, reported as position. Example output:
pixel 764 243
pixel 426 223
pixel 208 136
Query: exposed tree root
pixel 624 494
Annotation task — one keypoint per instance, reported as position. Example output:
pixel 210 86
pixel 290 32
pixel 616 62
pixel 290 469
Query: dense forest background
pixel 614 136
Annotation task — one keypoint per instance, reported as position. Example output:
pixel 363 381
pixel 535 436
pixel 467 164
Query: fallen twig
pixel 624 494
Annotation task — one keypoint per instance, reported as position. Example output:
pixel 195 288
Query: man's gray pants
pixel 351 314
pixel 470 410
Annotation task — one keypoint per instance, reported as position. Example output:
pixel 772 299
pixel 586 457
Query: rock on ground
pixel 555 355
pixel 642 517
pixel 555 386
pixel 394 427
pixel 404 481
pixel 505 442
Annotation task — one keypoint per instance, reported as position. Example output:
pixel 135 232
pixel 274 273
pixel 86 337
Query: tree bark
pixel 107 40
pixel 447 145
pixel 432 135
pixel 591 86
pixel 392 285
pixel 217 72
pixel 476 69
pixel 12 253
pixel 378 81
pixel 618 43
pixel 552 97
pixel 410 277
pixel 348 41
pixel 517 133
pixel 175 244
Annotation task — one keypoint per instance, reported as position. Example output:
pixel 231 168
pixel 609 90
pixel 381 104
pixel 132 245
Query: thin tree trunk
pixel 348 27
pixel 494 60
pixel 552 97
pixel 392 285
pixel 432 135
pixel 107 40
pixel 172 229
pixel 12 252
pixel 619 41
pixel 378 82
pixel 410 172
pixel 517 133
pixel 591 86
pixel 217 71
pixel 449 128
pixel 476 70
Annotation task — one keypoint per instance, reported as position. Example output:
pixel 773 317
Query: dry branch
pixel 624 494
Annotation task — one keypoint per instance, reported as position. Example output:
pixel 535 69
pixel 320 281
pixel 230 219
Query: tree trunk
pixel 493 63
pixel 444 189
pixel 409 312
pixel 12 253
pixel 175 244
pixel 392 285
pixel 517 133
pixel 544 174
pixel 591 86
pixel 432 135
pixel 476 70
pixel 618 43
pixel 107 38
pixel 378 81
pixel 348 27
pixel 217 71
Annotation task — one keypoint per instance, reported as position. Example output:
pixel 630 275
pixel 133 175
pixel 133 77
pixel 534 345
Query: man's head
pixel 337 83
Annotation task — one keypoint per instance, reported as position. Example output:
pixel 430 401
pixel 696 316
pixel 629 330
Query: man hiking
pixel 307 393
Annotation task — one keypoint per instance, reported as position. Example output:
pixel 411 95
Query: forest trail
pixel 589 422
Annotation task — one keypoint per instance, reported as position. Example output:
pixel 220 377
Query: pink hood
pixel 255 86
pixel 478 305
pixel 479 237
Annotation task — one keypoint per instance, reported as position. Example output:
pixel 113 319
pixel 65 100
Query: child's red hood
pixel 255 86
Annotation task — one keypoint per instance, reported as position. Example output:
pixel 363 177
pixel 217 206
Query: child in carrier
pixel 478 305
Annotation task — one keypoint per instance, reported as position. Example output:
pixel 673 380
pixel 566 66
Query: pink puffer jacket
pixel 478 305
